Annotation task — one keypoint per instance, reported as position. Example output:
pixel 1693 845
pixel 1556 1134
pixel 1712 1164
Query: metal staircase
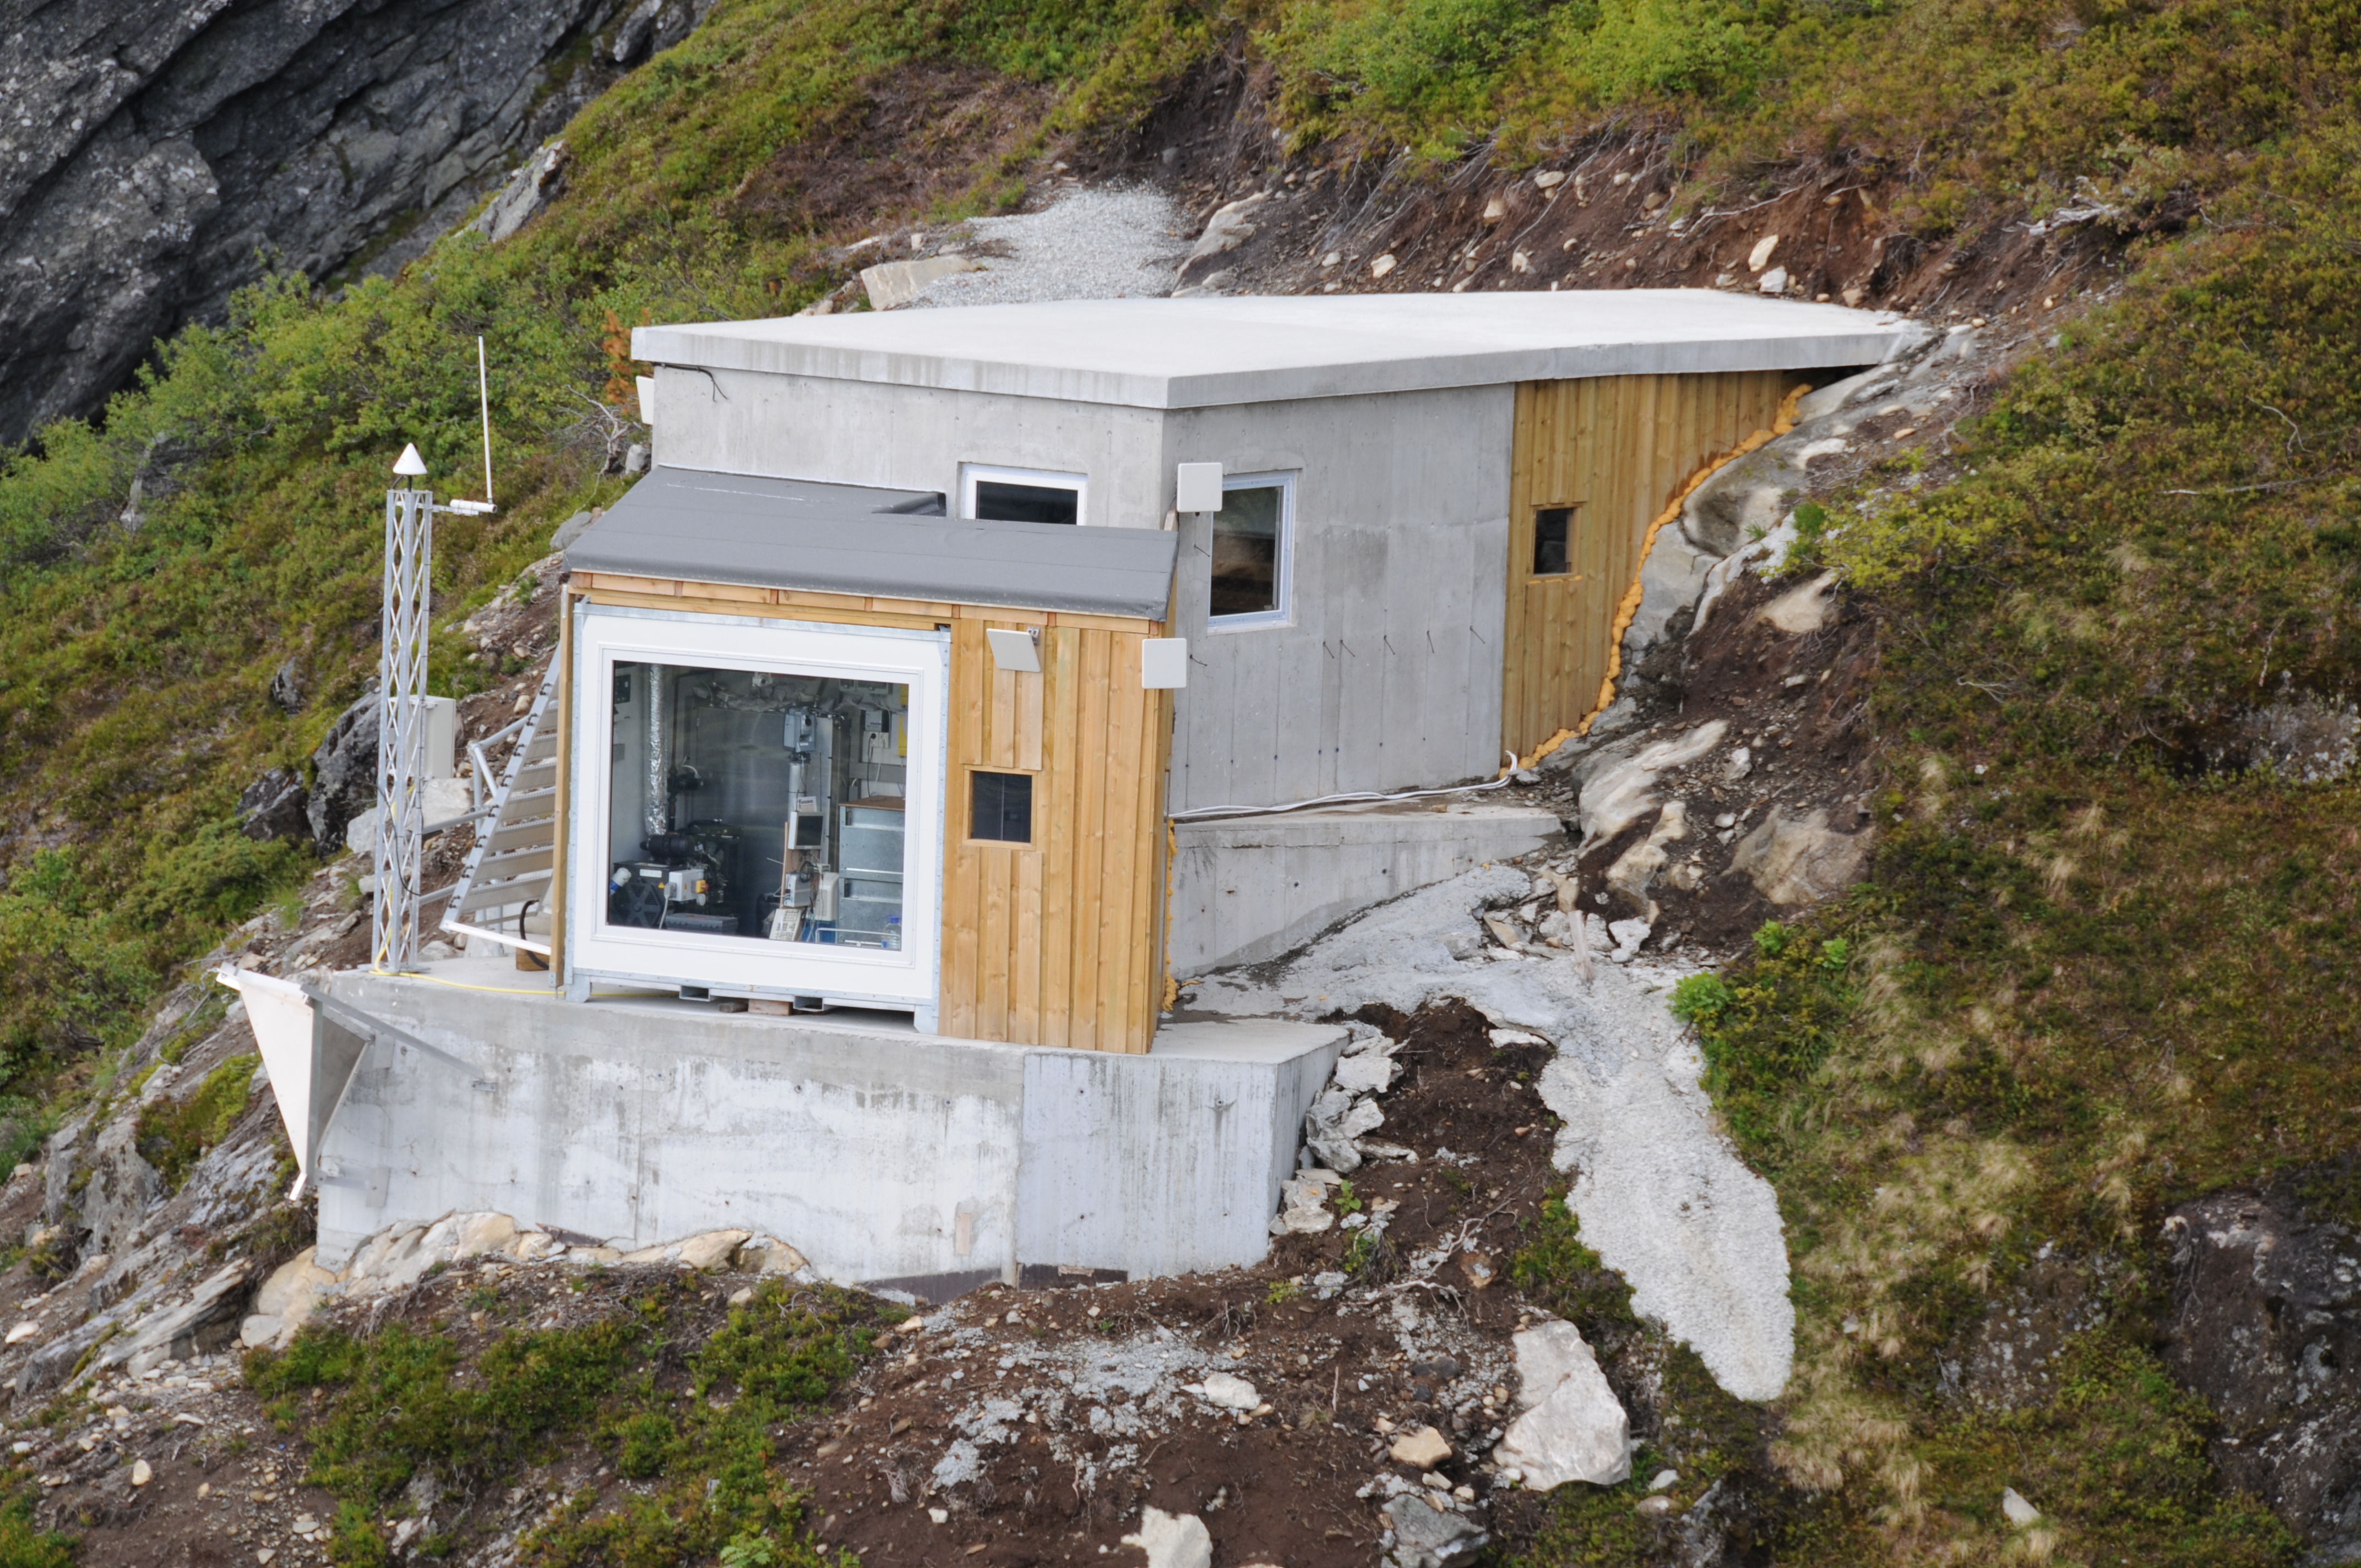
pixel 508 872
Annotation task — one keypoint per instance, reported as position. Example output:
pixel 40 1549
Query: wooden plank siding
pixel 1617 449
pixel 1058 942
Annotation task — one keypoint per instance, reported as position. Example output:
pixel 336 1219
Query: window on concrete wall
pixel 1253 543
pixel 1001 808
pixel 1553 541
pixel 1020 495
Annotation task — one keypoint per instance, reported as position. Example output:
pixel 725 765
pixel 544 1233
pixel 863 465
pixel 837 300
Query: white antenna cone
pixel 410 463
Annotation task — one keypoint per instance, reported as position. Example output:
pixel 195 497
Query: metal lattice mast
pixel 401 723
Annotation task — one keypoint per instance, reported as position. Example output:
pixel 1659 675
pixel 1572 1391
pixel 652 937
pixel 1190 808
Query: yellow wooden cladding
pixel 1616 449
pixel 1057 942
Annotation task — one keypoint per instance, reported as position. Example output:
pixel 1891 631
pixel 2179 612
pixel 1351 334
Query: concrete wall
pixel 1250 889
pixel 861 433
pixel 1388 673
pixel 883 1155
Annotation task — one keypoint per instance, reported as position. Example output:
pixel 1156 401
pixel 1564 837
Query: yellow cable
pixel 463 985
pixel 1781 424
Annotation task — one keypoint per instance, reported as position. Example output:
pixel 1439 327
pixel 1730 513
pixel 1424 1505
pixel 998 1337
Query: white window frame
pixel 1284 615
pixel 1044 478
pixel 608 635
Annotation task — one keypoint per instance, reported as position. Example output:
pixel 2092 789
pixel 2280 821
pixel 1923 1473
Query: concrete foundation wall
pixel 883 1155
pixel 1386 674
pixel 1250 889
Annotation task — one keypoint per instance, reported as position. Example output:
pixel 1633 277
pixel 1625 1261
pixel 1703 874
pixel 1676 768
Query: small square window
pixel 1001 808
pixel 1553 542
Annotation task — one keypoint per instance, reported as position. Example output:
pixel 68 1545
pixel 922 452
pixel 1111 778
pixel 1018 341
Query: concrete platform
pixel 1247 889
pixel 886 1156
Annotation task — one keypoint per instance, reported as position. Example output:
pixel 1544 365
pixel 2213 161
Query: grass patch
pixel 175 1135
pixel 375 1412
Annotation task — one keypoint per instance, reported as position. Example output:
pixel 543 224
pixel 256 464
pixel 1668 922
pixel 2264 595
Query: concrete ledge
pixel 884 1155
pixel 1247 889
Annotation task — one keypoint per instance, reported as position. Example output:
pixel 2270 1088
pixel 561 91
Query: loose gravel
pixel 1088 245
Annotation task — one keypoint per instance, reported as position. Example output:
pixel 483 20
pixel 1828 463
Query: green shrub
pixel 24 1546
pixel 173 1135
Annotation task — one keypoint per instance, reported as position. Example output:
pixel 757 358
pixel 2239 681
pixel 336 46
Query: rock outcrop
pixel 158 155
pixel 2266 1324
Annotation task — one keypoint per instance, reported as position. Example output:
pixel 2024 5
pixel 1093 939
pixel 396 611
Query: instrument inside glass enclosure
pixel 758 805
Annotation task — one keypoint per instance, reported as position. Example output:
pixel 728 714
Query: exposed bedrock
pixel 2265 1322
pixel 156 155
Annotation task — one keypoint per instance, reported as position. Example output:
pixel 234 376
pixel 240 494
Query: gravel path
pixel 1088 245
pixel 1663 1198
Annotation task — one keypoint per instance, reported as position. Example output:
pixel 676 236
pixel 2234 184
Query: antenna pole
pixel 401 727
pixel 484 401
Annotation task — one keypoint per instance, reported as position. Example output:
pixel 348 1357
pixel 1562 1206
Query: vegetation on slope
pixel 2107 972
pixel 399 1415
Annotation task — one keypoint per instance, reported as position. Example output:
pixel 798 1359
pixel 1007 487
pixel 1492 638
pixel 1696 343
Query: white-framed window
pixel 1252 550
pixel 758 805
pixel 1021 495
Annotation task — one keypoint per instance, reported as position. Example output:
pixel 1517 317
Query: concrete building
pixel 1158 558
pixel 927 700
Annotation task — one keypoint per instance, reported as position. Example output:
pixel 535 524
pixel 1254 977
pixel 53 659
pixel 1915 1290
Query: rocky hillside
pixel 2018 970
pixel 160 156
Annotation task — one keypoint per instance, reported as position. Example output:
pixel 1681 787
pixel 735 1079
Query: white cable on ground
pixel 1209 813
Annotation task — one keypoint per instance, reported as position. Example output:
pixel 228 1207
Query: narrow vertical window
pixel 1001 808
pixel 1251 545
pixel 1553 542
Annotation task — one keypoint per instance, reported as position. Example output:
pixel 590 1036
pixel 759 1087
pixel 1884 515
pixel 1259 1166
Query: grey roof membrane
pixel 851 538
pixel 1202 353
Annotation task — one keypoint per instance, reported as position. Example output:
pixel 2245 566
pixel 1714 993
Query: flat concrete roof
pixel 1211 353
pixel 850 538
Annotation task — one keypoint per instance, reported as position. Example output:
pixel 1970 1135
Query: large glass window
pixel 1251 545
pixel 758 806
pixel 1020 495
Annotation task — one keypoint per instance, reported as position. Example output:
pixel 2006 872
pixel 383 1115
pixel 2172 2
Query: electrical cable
pixel 1215 813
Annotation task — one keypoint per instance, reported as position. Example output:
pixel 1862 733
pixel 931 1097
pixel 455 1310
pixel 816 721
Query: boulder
pixel 1303 1204
pixel 1572 1427
pixel 710 1250
pixel 343 773
pixel 768 1254
pixel 201 1322
pixel 1428 1533
pixel 1795 861
pixel 1803 608
pixel 1617 795
pixel 1172 1541
pixel 1335 1119
pixel 1370 1072
pixel 275 806
pixel 893 284
pixel 529 190
pixel 1424 1448
pixel 1228 1392
pixel 286 686
pixel 287 1302
pixel 1230 227
pixel 1636 868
